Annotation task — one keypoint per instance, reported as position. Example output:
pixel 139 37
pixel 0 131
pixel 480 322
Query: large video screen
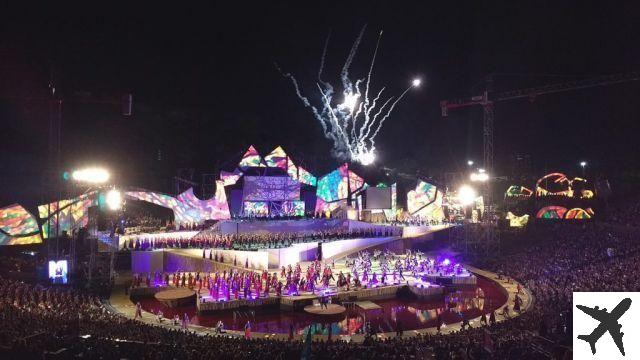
pixel 378 198
pixel 270 188
pixel 58 271
pixel 256 208
pixel 292 208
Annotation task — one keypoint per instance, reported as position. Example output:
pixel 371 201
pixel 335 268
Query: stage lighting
pixel 470 162
pixel 114 199
pixel 482 177
pixel 91 175
pixel 466 195
pixel 583 163
pixel 416 82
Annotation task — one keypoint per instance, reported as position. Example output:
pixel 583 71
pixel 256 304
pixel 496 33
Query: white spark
pixel 353 124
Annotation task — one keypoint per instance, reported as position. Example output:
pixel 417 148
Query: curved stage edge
pixel 121 304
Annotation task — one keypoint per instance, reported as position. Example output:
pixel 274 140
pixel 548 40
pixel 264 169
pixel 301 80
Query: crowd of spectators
pixel 551 261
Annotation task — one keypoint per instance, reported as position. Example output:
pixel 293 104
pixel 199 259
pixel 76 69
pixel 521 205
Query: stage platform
pixel 176 297
pixel 172 260
pixel 453 279
pixel 331 309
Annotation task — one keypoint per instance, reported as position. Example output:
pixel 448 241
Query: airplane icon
pixel 608 322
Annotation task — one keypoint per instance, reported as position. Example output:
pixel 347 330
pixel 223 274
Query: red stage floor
pixel 412 314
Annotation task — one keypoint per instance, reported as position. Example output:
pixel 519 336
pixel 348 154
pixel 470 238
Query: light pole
pixel 87 176
pixel 583 164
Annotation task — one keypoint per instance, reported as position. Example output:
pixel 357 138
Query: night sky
pixel 205 85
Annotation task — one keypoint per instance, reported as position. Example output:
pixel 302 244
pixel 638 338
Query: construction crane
pixel 489 238
pixel 488 99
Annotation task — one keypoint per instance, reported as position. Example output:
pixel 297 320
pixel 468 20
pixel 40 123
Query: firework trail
pixel 352 124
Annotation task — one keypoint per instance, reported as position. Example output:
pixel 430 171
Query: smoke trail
pixel 350 124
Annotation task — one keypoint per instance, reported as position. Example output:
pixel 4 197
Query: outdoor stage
pixel 175 259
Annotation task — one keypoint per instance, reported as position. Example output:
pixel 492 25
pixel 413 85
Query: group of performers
pixel 365 269
pixel 214 239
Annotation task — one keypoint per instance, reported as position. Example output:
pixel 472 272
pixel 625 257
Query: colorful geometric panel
pixel 18 226
pixel 332 187
pixel 292 169
pixel 338 184
pixel 251 158
pixel 230 178
pixel 324 208
pixel 305 177
pixel 73 214
pixel 425 202
pixel 277 158
pixel 551 212
pixel 187 208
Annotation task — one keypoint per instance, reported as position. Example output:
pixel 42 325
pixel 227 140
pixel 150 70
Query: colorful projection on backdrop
pixel 516 191
pixel 230 178
pixel 305 177
pixel 256 208
pixel 73 214
pixel 579 214
pixel 270 188
pixel 338 184
pixel 517 221
pixel 187 208
pixel 325 209
pixel 251 158
pixel 277 158
pixel 551 212
pixel 18 226
pixel 292 208
pixel 425 202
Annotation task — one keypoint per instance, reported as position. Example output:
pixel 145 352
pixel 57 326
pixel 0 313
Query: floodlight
pixel 466 195
pixel 416 82
pixel 114 199
pixel 482 177
pixel 91 175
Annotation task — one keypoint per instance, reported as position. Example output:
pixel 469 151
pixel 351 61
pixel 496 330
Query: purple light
pixel 446 262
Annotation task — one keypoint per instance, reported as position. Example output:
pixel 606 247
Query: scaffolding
pixel 476 239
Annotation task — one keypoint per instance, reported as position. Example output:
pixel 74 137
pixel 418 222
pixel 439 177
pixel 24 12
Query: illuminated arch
pixel 579 214
pixel 557 178
pixel 518 191
pixel 551 212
